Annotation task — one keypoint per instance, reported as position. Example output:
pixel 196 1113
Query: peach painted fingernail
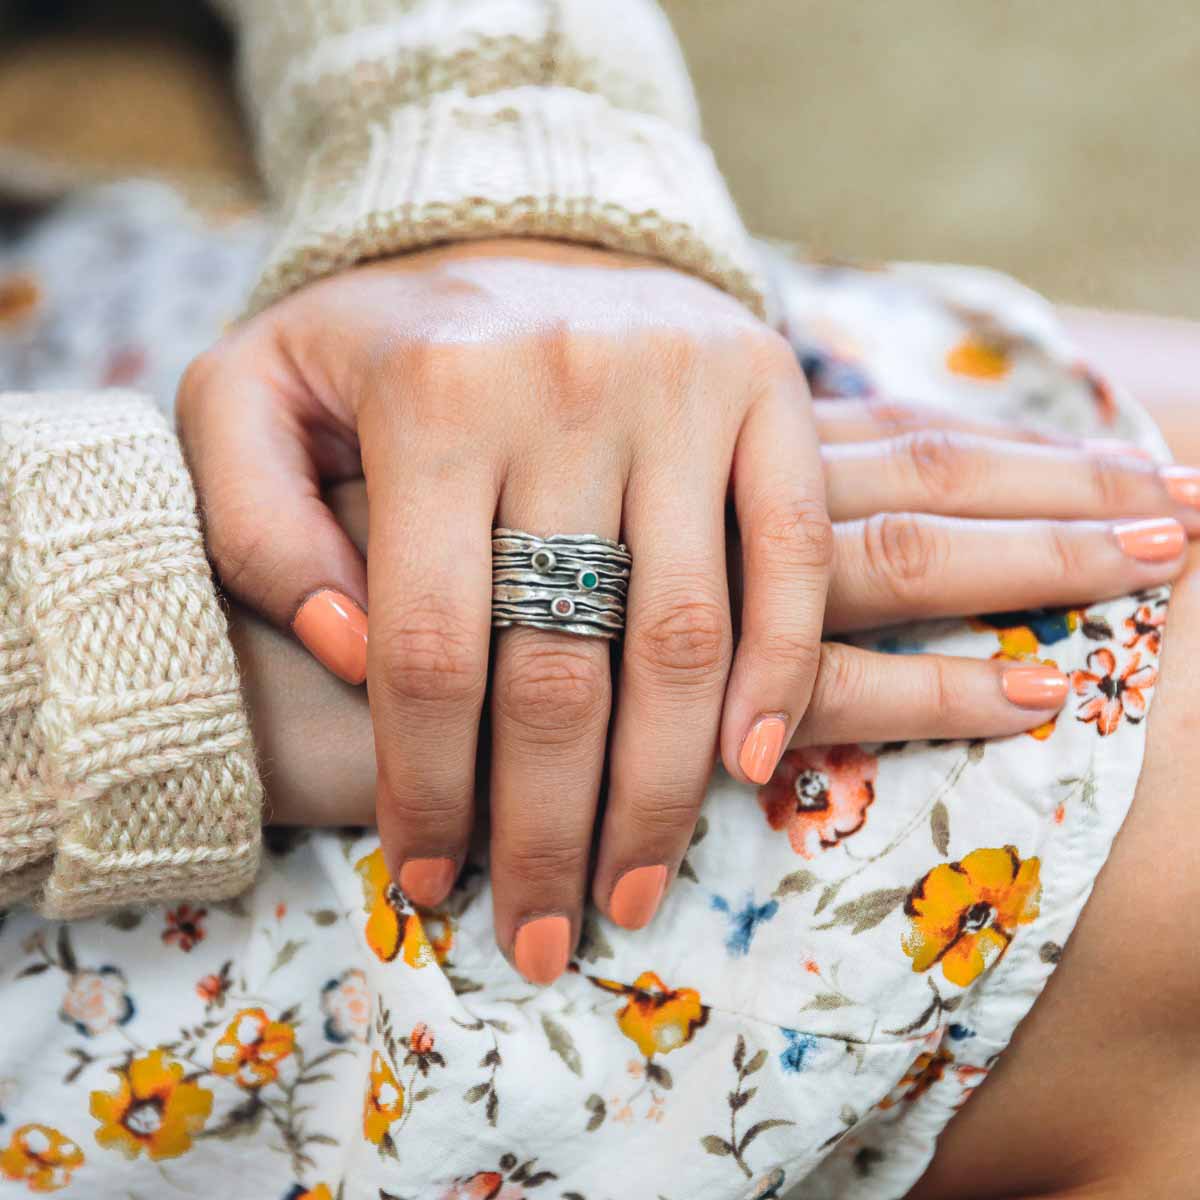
pixel 542 947
pixel 1182 484
pixel 761 749
pixel 1035 687
pixel 637 894
pixel 334 630
pixel 1115 446
pixel 427 881
pixel 1157 539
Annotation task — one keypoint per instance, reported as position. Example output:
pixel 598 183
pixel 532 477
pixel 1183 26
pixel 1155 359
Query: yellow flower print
pixel 320 1192
pixel 980 357
pixel 392 925
pixel 964 914
pixel 252 1047
pixel 655 1018
pixel 40 1157
pixel 153 1109
pixel 384 1101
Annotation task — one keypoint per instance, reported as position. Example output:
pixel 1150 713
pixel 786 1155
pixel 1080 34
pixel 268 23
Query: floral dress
pixel 845 954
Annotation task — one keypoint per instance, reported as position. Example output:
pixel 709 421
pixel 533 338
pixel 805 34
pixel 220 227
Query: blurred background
pixel 1057 141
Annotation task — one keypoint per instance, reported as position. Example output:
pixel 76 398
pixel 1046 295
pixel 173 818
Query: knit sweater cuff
pixel 541 161
pixel 126 768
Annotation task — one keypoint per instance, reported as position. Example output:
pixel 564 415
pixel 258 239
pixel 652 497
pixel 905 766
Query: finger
pixel 256 459
pixel 674 667
pixel 787 550
pixel 550 703
pixel 863 696
pixel 967 476
pixel 430 589
pixel 840 421
pixel 903 566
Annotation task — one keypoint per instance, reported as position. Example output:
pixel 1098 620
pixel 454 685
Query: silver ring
pixel 572 582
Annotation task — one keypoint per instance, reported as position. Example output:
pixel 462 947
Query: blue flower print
pixel 799 1047
pixel 744 921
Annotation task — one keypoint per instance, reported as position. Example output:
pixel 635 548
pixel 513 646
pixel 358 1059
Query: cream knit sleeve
pixel 126 769
pixel 387 125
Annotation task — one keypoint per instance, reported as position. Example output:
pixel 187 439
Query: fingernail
pixel 637 894
pixel 761 749
pixel 542 947
pixel 427 881
pixel 1182 484
pixel 1035 687
pixel 1115 446
pixel 334 630
pixel 1157 539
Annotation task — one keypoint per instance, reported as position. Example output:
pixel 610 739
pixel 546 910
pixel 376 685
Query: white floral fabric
pixel 845 954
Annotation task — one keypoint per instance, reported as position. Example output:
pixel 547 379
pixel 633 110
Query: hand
pixel 887 569
pixel 551 388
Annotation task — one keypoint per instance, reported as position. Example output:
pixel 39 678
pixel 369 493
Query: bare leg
pixel 1099 1092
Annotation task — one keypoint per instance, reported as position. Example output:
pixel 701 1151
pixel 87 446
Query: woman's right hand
pixel 933 518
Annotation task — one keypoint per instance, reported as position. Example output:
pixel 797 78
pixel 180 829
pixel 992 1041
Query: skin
pixel 1101 1083
pixel 548 387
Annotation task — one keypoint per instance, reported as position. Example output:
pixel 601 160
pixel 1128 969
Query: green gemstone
pixel 588 579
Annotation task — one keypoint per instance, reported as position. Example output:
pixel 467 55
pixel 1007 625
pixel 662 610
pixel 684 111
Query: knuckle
pixel 942 696
pixel 943 466
pixel 552 690
pixel 1115 485
pixel 418 814
pixel 901 553
pixel 688 638
pixel 538 860
pixel 1068 558
pixel 237 545
pixel 663 814
pixel 769 354
pixel 429 654
pixel 839 684
pixel 894 419
pixel 797 651
pixel 797 535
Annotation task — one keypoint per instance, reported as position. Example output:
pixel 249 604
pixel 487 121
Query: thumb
pixel 257 454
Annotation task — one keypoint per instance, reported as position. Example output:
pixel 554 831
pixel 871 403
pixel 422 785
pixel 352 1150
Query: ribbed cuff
pixel 529 161
pixel 137 749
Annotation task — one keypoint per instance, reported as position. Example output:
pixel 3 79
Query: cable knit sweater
pixel 126 769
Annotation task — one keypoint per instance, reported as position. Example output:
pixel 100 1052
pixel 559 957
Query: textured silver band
pixel 572 582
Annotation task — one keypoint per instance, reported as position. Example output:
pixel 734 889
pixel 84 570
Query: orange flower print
pixel 484 1185
pixel 392 925
pixel 40 1157
pixel 925 1071
pixel 320 1192
pixel 655 1018
pixel 820 796
pixel 252 1047
pixel 980 357
pixel 964 914
pixel 153 1109
pixel 1145 628
pixel 384 1101
pixel 185 926
pixel 1108 696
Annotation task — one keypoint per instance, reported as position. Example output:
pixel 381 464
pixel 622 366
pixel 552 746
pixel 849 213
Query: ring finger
pixel 551 695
